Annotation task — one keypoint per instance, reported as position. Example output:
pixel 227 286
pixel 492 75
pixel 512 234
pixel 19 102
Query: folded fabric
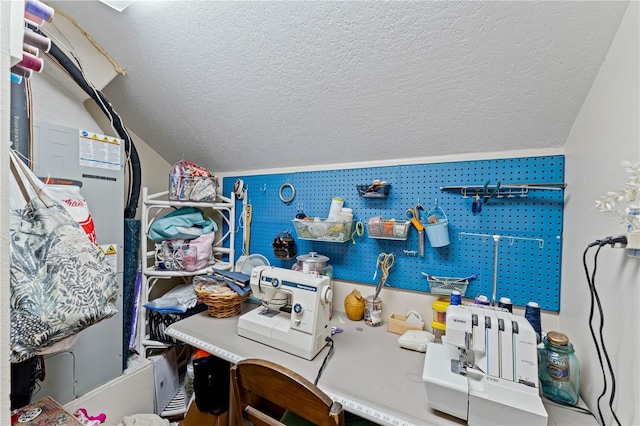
pixel 184 223
pixel 237 281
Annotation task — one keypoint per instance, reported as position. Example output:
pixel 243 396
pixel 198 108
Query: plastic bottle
pixel 334 210
pixel 346 214
pixel 559 369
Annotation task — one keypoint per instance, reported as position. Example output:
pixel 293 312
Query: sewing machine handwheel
pixel 327 295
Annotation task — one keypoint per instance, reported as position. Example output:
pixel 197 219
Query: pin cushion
pixel 354 305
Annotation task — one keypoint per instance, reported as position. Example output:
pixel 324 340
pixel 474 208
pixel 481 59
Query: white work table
pixel 368 373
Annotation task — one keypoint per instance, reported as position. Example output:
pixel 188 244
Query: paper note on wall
pixel 99 151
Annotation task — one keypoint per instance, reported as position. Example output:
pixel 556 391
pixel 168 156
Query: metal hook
pixel 264 188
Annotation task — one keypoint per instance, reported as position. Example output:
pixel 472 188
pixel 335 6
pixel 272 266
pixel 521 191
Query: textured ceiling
pixel 239 86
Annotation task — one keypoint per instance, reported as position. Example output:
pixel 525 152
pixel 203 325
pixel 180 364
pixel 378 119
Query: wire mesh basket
pixel 373 191
pixel 445 285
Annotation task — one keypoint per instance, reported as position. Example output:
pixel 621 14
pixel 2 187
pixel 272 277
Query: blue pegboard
pixel 527 270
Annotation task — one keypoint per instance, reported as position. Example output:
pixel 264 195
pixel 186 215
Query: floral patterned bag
pixel 60 281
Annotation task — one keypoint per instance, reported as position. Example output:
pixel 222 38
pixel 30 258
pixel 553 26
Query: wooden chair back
pixel 263 391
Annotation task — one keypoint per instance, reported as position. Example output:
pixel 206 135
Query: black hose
pixel 107 108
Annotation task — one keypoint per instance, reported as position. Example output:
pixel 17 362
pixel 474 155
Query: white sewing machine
pixel 303 329
pixel 486 372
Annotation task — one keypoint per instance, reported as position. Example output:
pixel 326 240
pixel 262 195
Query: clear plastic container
pixel 439 330
pixel 193 188
pixel 440 310
pixel 559 369
pixel 313 263
pixel 373 311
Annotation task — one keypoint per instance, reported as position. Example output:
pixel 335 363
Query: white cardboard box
pixel 165 370
pixel 125 395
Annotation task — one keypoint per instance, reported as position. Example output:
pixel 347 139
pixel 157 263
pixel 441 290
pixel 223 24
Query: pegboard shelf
pixel 525 272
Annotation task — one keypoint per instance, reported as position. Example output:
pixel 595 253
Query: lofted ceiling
pixel 240 86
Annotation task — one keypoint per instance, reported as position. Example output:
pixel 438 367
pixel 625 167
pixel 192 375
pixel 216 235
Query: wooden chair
pixel 263 391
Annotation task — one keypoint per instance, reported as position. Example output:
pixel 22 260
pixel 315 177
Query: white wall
pixel 605 133
pixel 55 104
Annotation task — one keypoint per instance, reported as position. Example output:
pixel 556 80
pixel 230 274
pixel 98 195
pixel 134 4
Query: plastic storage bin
pixel 389 229
pixel 175 255
pixel 193 188
pixel 323 230
pixel 440 310
pixel 439 330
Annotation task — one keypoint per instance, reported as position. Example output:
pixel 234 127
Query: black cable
pixel 593 333
pixel 604 348
pixel 569 406
pixel 595 296
pixel 326 358
pixel 76 74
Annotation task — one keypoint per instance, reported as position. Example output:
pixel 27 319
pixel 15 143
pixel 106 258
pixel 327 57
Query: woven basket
pixel 220 305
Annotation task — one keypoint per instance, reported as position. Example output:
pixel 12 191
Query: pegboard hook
pixel 264 187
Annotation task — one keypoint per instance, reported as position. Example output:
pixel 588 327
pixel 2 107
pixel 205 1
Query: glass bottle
pixel 559 369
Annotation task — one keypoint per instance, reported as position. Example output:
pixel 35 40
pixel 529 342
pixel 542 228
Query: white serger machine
pixel 301 330
pixel 486 370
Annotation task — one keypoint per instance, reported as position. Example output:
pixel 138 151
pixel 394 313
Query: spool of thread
pixel 30 49
pixel 505 303
pixel 21 71
pixel 36 40
pixel 39 9
pixel 335 209
pixel 15 78
pixel 482 300
pixel 532 314
pixel 31 62
pixel 456 298
pixel 33 19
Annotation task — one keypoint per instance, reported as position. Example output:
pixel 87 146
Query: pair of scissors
pixel 385 262
pixel 414 216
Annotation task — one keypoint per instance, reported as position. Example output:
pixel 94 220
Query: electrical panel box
pixel 95 162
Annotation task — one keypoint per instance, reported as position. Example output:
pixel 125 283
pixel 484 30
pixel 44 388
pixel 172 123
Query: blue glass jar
pixel 559 369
